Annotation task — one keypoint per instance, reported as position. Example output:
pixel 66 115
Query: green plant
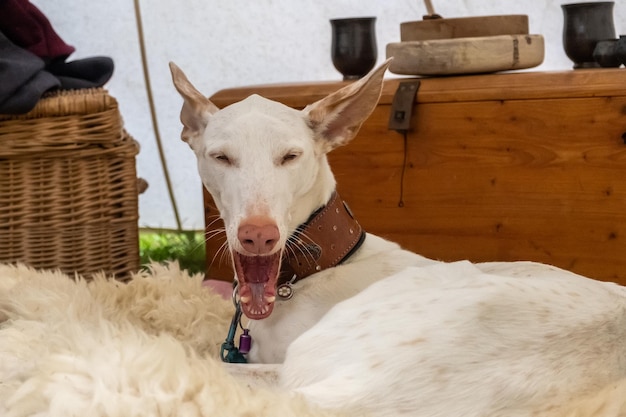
pixel 186 247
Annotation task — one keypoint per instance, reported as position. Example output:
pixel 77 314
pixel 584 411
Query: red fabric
pixel 27 27
pixel 223 288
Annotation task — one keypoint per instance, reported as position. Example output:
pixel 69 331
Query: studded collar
pixel 329 237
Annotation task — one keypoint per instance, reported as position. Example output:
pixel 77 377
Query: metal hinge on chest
pixel 402 106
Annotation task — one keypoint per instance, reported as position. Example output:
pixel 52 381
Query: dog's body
pixel 450 340
pixel 314 296
pixel 387 330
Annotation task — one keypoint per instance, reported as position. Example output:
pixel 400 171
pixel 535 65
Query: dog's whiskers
pixel 225 254
pixel 299 244
pixel 220 255
pixel 213 233
pixel 216 219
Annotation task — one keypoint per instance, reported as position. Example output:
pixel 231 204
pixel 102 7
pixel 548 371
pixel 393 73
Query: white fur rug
pixel 147 348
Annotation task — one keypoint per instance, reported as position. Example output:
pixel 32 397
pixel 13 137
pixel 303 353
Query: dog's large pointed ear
pixel 197 109
pixel 337 118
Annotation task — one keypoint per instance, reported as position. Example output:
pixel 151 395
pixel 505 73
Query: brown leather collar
pixel 328 238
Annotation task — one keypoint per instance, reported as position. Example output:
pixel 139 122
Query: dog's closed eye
pixel 289 156
pixel 222 158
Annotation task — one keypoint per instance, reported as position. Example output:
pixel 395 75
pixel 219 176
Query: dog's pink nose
pixel 258 239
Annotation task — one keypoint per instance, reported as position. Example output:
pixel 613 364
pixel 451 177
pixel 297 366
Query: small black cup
pixel 353 46
pixel 605 53
pixel 585 24
pixel 620 49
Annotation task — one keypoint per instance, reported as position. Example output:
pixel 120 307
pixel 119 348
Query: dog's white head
pixel 265 166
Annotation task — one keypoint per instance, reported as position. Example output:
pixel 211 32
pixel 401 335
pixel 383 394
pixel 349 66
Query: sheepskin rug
pixel 69 347
pixel 149 347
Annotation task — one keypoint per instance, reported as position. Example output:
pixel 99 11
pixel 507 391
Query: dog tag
pixel 285 291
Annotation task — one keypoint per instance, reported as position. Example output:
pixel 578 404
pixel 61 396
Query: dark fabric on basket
pixel 33 59
pixel 23 79
pixel 82 73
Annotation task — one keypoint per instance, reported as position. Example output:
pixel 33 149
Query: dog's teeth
pixel 270 299
pixel 245 299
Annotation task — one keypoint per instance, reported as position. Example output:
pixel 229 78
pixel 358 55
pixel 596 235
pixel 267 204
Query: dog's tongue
pixel 257 283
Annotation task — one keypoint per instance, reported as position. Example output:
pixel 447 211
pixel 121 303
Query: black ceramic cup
pixel 584 25
pixel 353 46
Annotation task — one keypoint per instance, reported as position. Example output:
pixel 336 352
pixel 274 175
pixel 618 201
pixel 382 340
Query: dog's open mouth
pixel 257 283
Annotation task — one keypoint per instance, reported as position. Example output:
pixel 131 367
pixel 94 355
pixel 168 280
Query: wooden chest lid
pixel 502 86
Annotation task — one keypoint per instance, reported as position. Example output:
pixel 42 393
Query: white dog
pixel 358 322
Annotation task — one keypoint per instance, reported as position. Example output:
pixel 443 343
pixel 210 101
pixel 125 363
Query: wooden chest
pixel 499 167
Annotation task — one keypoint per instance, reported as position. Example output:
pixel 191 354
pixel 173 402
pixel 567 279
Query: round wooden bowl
pixel 464 27
pixel 466 55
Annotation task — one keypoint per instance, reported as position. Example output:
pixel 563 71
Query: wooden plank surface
pixel 503 86
pixel 479 188
pixel 463 27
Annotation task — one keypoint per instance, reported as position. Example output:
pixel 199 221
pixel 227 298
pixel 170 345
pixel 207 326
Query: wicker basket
pixel 68 186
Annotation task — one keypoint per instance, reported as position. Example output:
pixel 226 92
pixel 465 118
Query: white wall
pixel 223 44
